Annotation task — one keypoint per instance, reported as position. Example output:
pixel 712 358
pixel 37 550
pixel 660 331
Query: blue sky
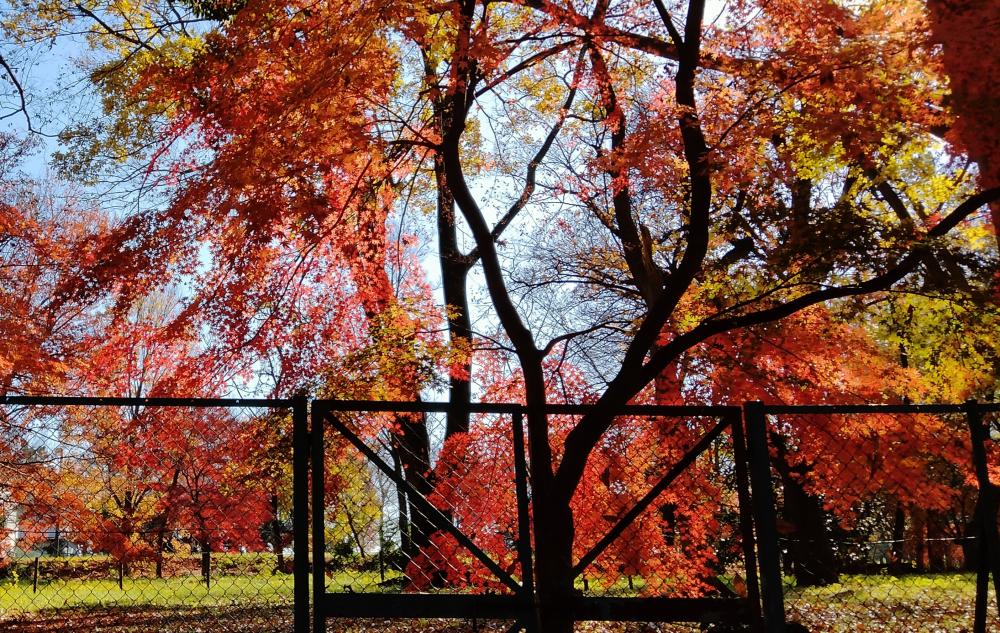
pixel 55 93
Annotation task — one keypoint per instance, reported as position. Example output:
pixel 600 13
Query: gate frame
pixel 752 470
pixel 521 606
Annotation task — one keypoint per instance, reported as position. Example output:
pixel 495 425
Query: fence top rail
pixel 513 407
pixel 100 401
pixel 778 409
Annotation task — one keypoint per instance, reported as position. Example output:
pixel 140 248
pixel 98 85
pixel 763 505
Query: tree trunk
pixel 276 541
pixel 356 535
pixel 206 562
pixel 919 530
pixel 160 542
pixel 897 557
pixel 163 523
pixel 554 532
pixel 552 516
pixel 973 537
pixel 454 279
pixel 402 508
pixel 937 547
pixel 413 446
pixel 814 562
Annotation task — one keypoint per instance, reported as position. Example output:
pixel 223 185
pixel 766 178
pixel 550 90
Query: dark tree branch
pixel 23 107
pixel 582 439
pixel 531 174
pixel 111 30
pixel 530 61
pixel 631 380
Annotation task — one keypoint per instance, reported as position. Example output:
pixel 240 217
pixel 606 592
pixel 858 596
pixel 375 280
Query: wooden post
pixel 34 575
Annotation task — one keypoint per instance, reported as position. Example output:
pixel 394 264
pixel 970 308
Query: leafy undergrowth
pixel 929 603
pixel 873 616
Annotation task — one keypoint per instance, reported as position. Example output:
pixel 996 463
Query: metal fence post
pixel 989 557
pixel 765 518
pixel 524 550
pixel 746 519
pixel 318 415
pixel 300 512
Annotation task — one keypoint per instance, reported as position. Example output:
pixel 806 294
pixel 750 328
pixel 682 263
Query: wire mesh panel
pixel 416 522
pixel 411 517
pixel 878 518
pixel 658 516
pixel 134 512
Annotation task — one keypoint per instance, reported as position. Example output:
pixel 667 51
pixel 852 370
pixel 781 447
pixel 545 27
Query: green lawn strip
pixel 189 591
pixel 170 592
pixel 905 588
pixel 929 602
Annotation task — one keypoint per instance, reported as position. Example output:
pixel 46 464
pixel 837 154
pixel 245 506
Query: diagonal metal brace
pixel 438 518
pixel 640 506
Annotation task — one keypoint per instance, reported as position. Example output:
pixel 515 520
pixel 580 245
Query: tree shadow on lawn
pixel 153 620
pixel 250 619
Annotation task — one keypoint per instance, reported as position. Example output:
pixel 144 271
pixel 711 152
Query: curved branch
pixel 631 380
pixel 536 160
pixel 20 93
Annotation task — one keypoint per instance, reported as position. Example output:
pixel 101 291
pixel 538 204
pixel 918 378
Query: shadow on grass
pixel 214 619
pixel 254 619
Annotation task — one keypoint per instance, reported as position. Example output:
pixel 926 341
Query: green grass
pixel 883 587
pixel 171 592
pixel 931 603
pixel 261 589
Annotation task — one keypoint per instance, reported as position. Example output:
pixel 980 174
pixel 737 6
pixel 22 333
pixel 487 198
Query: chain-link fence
pixel 137 512
pixel 658 515
pixel 880 520
pixel 179 517
pixel 411 510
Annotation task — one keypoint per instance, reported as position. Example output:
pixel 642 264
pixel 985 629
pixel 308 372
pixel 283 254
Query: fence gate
pixel 663 516
pixel 121 498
